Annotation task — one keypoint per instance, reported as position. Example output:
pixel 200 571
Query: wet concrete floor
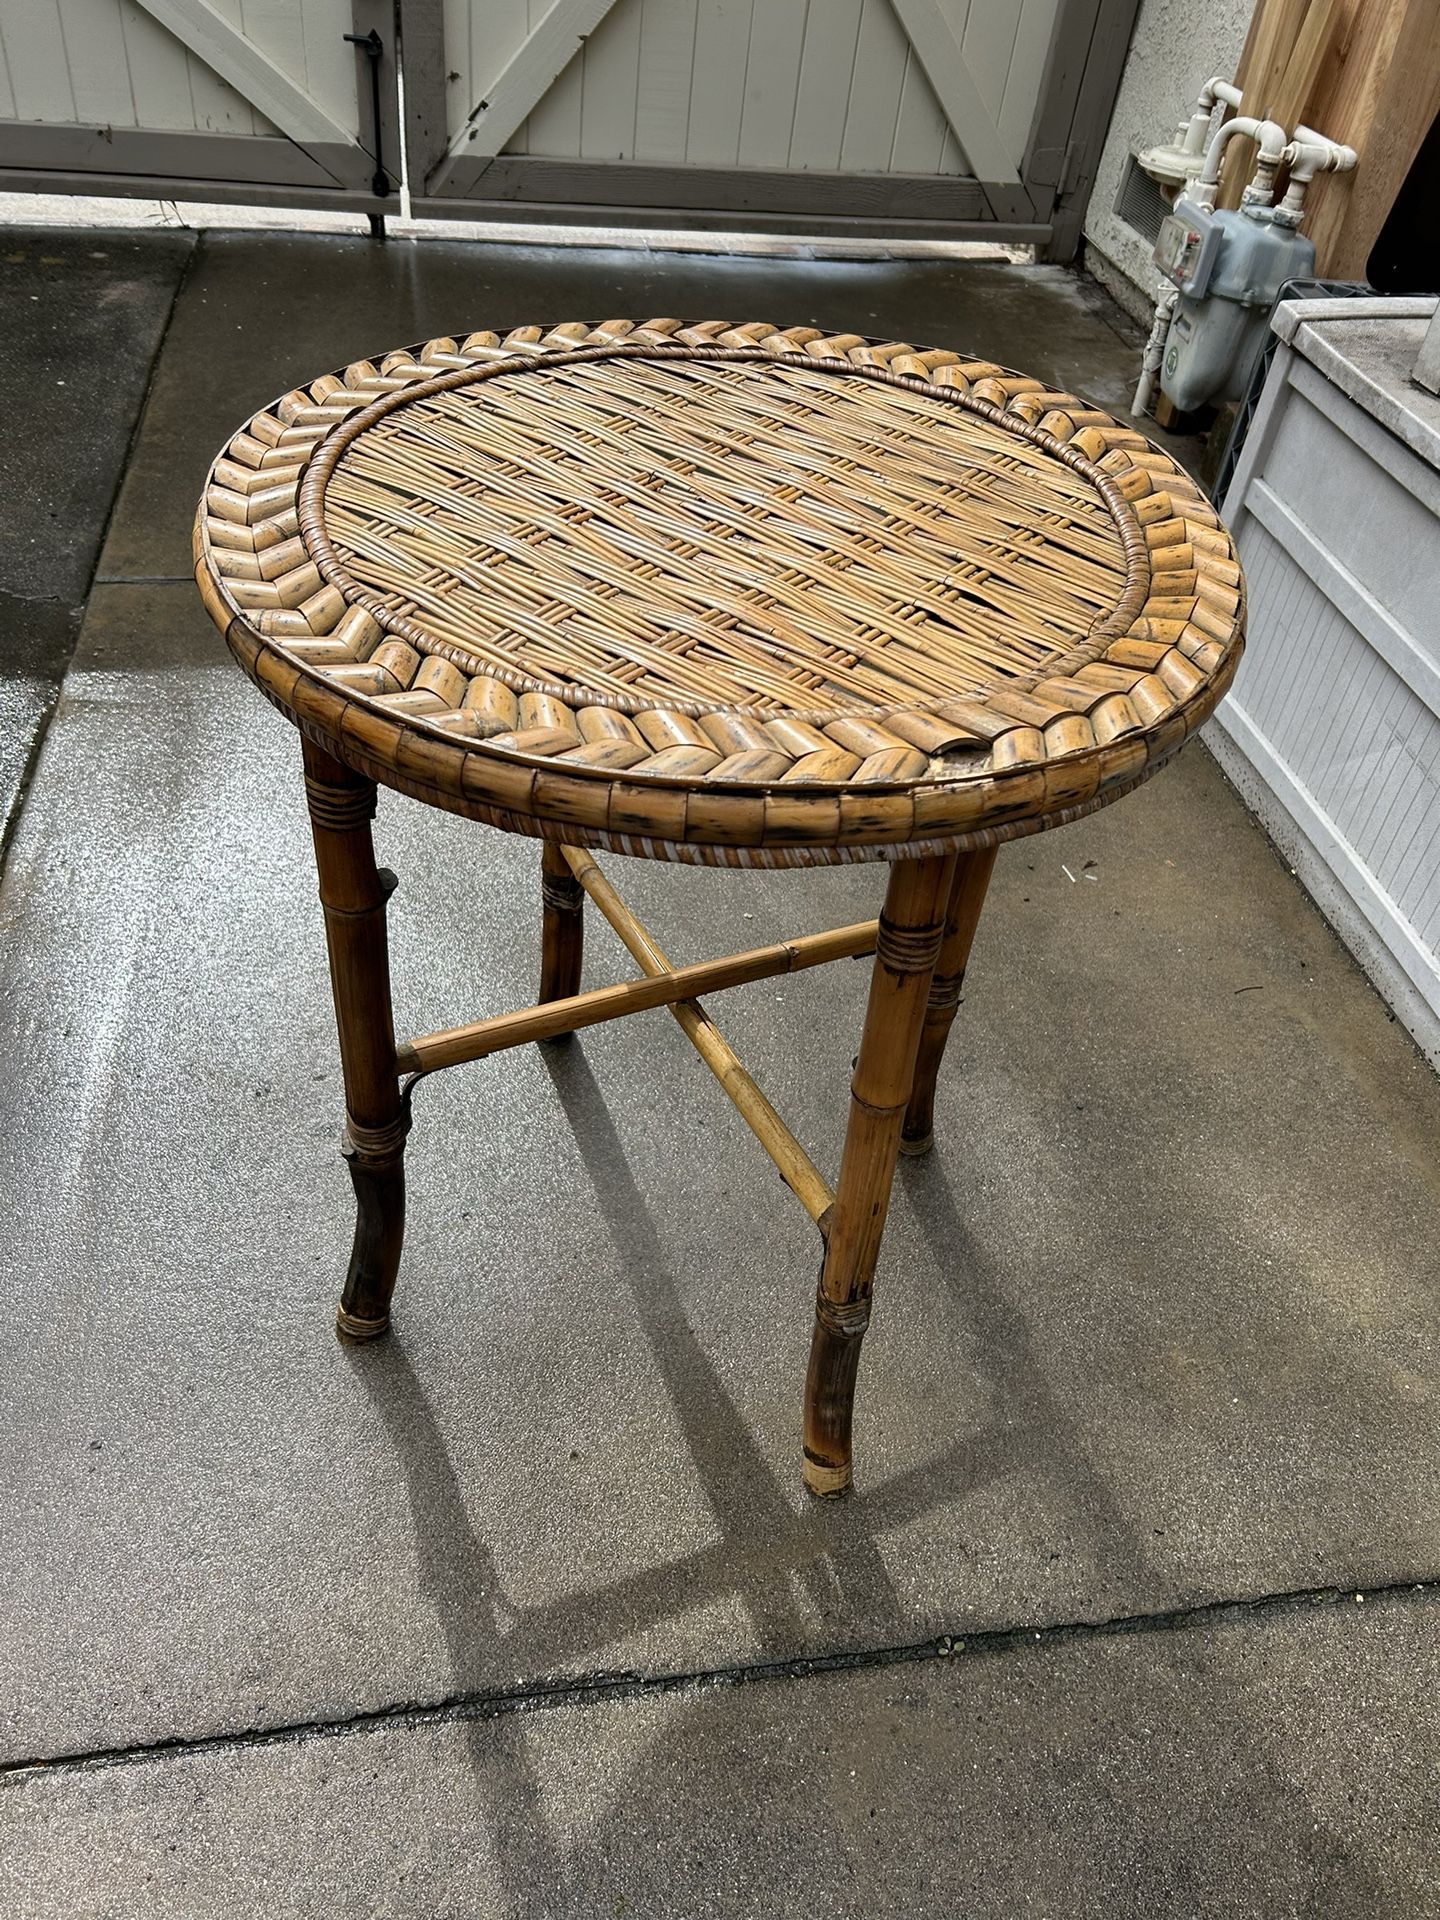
pixel 524 1612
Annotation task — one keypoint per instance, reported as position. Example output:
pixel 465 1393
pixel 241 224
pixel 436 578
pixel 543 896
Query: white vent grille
pixel 1140 203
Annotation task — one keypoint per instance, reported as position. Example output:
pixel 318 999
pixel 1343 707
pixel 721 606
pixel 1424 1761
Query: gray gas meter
pixel 1186 246
pixel 1229 267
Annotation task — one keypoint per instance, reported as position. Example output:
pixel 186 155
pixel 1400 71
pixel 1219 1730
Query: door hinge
pixel 1052 167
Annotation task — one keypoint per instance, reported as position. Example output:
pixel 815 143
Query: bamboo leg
pixel 911 927
pixel 353 892
pixel 562 938
pixel 967 897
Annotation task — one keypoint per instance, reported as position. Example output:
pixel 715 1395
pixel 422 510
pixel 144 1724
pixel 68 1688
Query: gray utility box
pixel 1228 268
pixel 1332 729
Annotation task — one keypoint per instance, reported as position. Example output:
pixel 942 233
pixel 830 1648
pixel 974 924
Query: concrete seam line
pixel 594 1689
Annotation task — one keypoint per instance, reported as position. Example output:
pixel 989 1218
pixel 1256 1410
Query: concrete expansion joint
pixel 591 1690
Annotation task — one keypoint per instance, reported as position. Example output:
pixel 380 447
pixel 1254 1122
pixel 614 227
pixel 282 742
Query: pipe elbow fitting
pixel 1336 158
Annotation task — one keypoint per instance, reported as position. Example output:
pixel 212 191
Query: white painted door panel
pixel 230 91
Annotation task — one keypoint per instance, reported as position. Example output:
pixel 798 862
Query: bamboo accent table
pixel 728 594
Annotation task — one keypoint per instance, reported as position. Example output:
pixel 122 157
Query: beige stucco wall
pixel 1177 45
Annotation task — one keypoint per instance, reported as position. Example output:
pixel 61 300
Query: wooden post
pixel 967 897
pixel 354 892
pixel 911 927
pixel 562 934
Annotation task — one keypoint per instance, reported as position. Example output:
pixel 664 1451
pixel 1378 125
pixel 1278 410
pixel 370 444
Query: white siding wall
pixel 1332 730
pixel 107 63
pixel 1176 47
pixel 777 84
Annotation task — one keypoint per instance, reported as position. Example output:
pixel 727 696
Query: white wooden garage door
pixel 950 117
pixel 198 99
pixel 828 115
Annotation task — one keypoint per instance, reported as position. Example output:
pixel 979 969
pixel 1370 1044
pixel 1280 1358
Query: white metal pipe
pixel 1269 135
pixel 1310 153
pixel 1217 93
pixel 1154 351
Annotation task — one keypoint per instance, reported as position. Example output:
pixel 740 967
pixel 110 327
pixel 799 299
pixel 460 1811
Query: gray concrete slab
pixel 262 311
pixel 81 318
pixel 1157 1324
pixel 37 637
pixel 1266 1768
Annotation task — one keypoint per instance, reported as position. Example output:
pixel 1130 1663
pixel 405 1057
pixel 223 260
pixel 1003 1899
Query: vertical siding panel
pixel 772 81
pixel 988 43
pixel 554 125
pixel 826 66
pixel 95 58
pixel 1422 877
pixel 1352 734
pixel 667 62
pixel 214 106
pixel 1417 859
pixel 610 66
pixel 954 158
pixel 159 73
pixel 1368 702
pixel 1395 786
pixel 919 126
pixel 1383 723
pixel 277 28
pixel 875 82
pixel 1350 788
pixel 7 92
pixel 220 109
pixel 458 28
pixel 330 77
pixel 1361 746
pixel 487 36
pixel 717 93
pixel 1027 65
pixel 39 74
pixel 1342 760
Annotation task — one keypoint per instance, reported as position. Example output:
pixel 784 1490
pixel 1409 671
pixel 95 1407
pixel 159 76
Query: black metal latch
pixel 373 47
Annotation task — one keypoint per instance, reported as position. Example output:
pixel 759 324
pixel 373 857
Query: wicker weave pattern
pixel 702 591
pixel 684 531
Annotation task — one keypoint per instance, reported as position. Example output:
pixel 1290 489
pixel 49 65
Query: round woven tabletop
pixel 721 593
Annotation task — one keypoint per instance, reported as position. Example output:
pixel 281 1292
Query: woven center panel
pixel 754 534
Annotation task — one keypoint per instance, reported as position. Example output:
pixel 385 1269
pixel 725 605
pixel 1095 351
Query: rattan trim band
pixel 847 1319
pixel 377 1146
pixel 339 809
